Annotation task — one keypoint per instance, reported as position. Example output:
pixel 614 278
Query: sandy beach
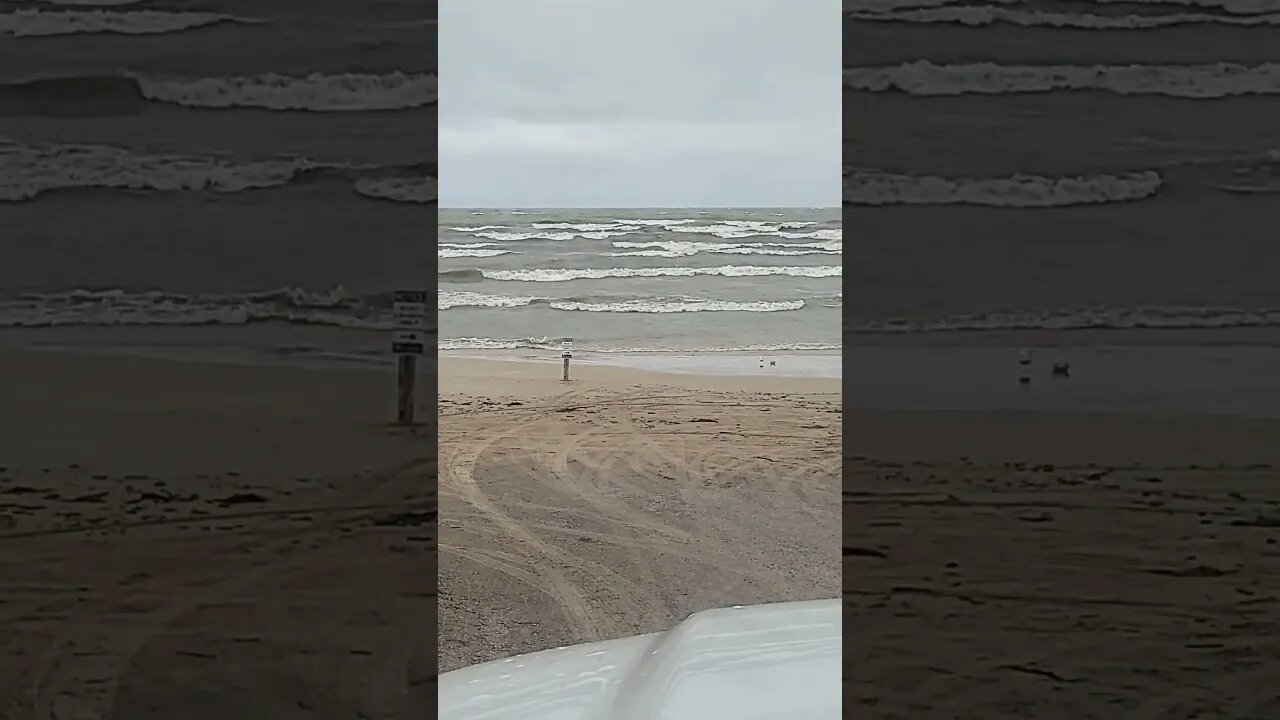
pixel 623 501
pixel 187 540
pixel 1061 565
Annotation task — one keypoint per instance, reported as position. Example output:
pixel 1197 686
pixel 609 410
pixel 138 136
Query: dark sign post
pixel 408 341
pixel 566 352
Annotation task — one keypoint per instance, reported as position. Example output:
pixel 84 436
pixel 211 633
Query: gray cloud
pixel 629 104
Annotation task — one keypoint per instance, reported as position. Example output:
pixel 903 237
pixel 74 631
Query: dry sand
pixel 180 540
pixel 1014 565
pixel 625 500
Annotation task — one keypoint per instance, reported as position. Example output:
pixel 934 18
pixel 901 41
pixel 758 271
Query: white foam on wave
pixel 479 228
pixel 978 15
pixel 880 6
pixel 317 92
pixel 468 245
pixel 45 23
pixel 559 236
pixel 26 172
pixel 740 230
pixel 119 308
pixel 874 187
pixel 833 234
pixel 446 300
pixel 680 306
pixel 676 248
pixel 470 253
pixel 658 222
pixel 587 227
pixel 479 343
pixel 91 3
pixel 1241 7
pixel 1185 81
pixel 565 274
pixel 410 190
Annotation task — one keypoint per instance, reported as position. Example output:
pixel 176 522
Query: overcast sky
pixel 624 103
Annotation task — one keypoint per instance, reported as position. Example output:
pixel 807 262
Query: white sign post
pixel 408 341
pixel 566 352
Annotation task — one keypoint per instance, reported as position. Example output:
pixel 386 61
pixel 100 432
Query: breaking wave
pixel 739 229
pixel 410 190
pixel 128 92
pixel 346 92
pixel 587 227
pixel 978 15
pixel 727 229
pixel 924 78
pixel 470 252
pixel 567 274
pixel 446 300
pixel 1237 7
pixel 91 3
pixel 671 249
pixel 120 307
pixel 46 23
pixel 875 187
pixel 545 343
pixel 559 236
pixel 680 306
pixel 26 172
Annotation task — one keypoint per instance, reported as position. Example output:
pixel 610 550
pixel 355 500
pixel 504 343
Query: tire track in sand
pixel 77 683
pixel 589 467
pixel 458 473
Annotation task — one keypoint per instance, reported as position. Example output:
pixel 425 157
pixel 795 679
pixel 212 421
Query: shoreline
pixel 815 364
pixel 1210 381
pixel 496 377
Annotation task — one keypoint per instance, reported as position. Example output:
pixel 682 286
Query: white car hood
pixel 762 662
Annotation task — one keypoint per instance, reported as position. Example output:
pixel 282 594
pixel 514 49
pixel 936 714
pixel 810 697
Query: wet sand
pixel 625 500
pixel 200 541
pixel 1061 565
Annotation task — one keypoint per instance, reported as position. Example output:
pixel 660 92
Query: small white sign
pixel 409 310
pixel 409 317
pixel 410 323
pixel 566 347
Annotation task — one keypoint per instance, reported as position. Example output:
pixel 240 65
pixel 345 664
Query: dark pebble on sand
pixel 240 498
pixel 1258 521
pixel 863 552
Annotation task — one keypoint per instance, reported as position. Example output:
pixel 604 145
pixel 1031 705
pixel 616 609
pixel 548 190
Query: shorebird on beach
pixel 1025 358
